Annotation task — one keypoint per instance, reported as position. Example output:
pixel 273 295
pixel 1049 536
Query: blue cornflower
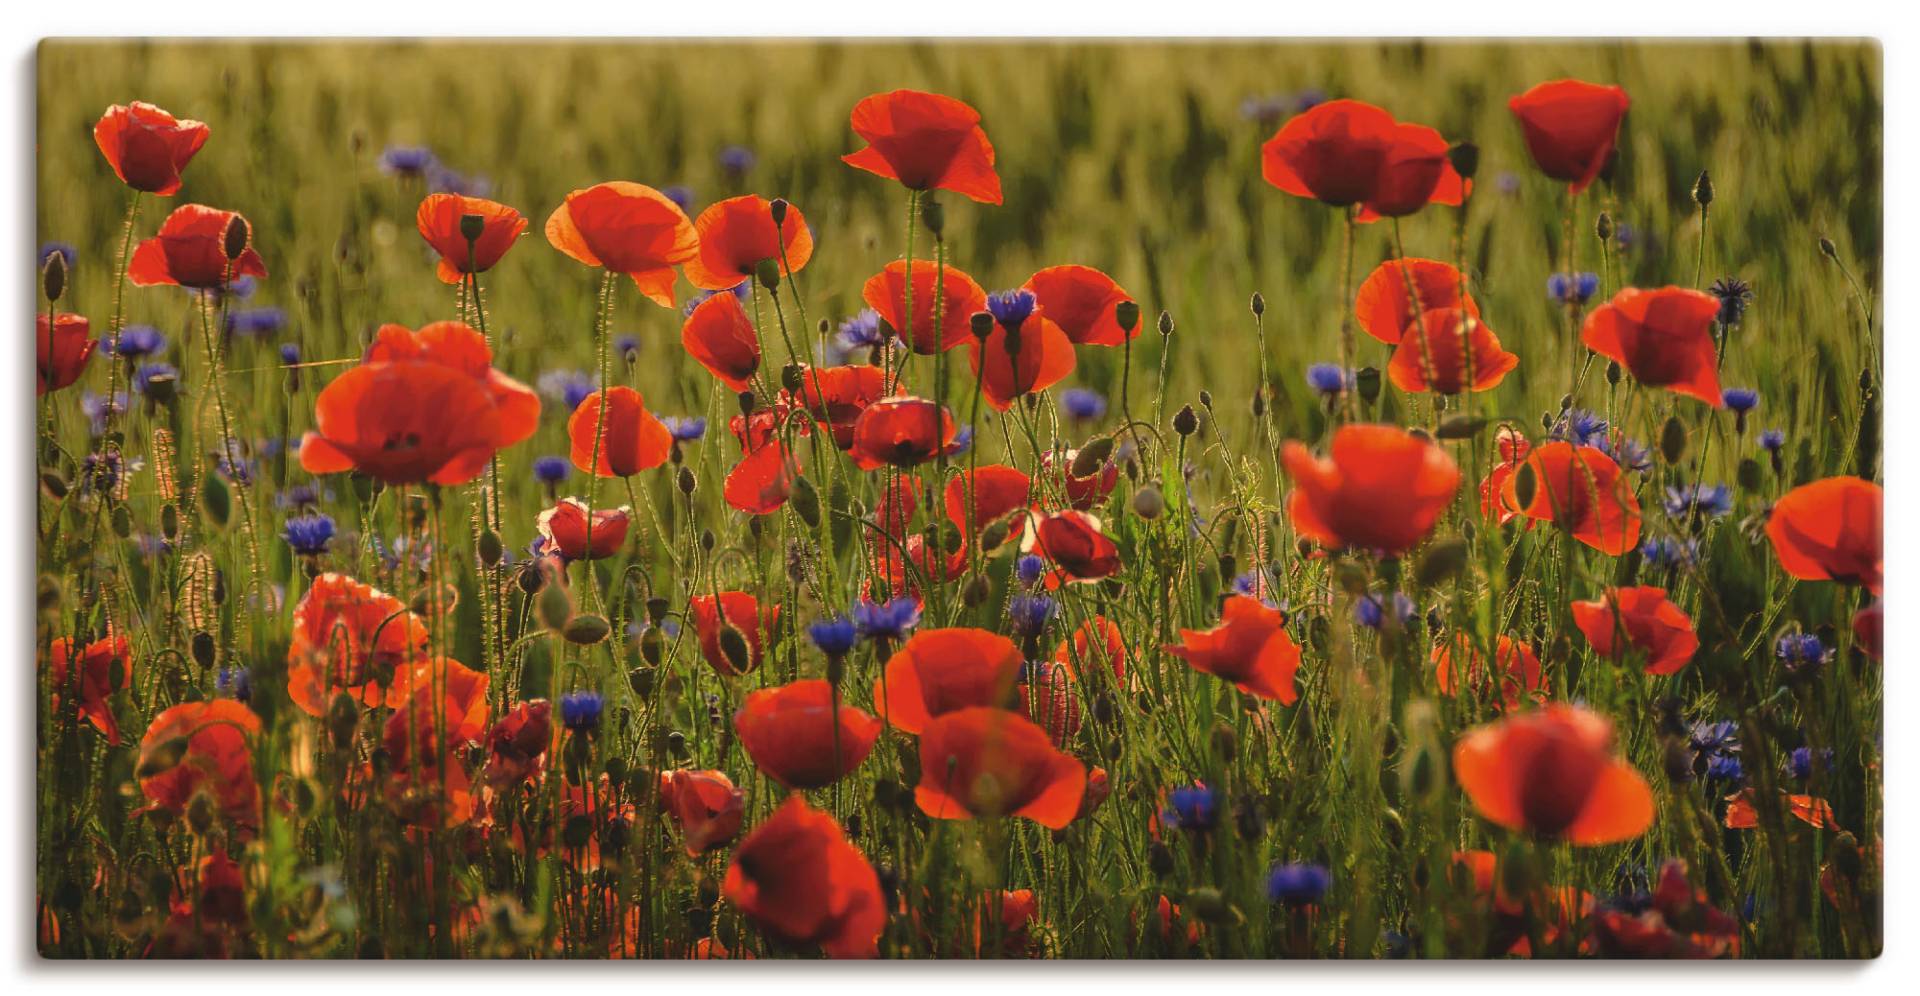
pixel 134 341
pixel 1772 440
pixel 1734 294
pixel 1713 739
pixel 301 496
pixel 1195 807
pixel 1801 761
pixel 442 180
pixel 962 441
pixel 736 159
pixel 1265 108
pixel 1329 379
pixel 1740 400
pixel 627 345
pixel 256 321
pixel 289 353
pixel 1507 182
pixel 1580 427
pixel 742 291
pixel 234 682
pixel 144 377
pixel 889 620
pixel 1629 454
pixel 862 331
pixel 1297 884
pixel 407 160
pixel 308 534
pixel 238 471
pixel 1575 289
pixel 100 472
pixel 1010 308
pixel 680 194
pixel 1256 581
pixel 1028 569
pixel 551 470
pixel 1625 236
pixel 1725 768
pixel 580 711
pixel 66 251
pixel 97 408
pixel 1028 615
pixel 1709 500
pixel 1371 610
pixel 1083 404
pixel 242 287
pixel 834 636
pixel 1665 551
pixel 569 387
pixel 685 430
pixel 1308 99
pixel 1797 650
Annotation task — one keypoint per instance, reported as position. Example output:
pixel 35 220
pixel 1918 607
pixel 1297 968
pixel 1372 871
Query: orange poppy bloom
pixel 632 439
pixel 61 350
pixel 627 228
pixel 1082 493
pixel 422 406
pixel 741 611
pixel 442 705
pixel 938 671
pixel 1048 697
pixel 1384 304
pixel 981 761
pixel 960 297
pixel 900 431
pixel 439 222
pixel 1814 812
pixel 1663 337
pixel 797 738
pixel 927 141
pixel 349 637
pixel 1437 355
pixel 763 479
pixel 706 805
pixel 1081 300
pixel 1570 127
pixel 517 744
pixel 1096 643
pixel 737 233
pixel 1012 364
pixel 1073 541
pixel 564 527
pixel 1381 488
pixel 1400 192
pixel 1830 530
pixel 985 495
pixel 216 757
pixel 798 877
pixel 1649 624
pixel 837 395
pixel 106 667
pixel 722 338
pixel 1250 648
pixel 190 251
pixel 1495 503
pixel 1552 772
pixel 1584 491
pixel 146 146
pixel 1519 668
pixel 1345 152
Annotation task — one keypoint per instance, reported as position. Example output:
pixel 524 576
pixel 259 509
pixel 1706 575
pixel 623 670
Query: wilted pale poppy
pixel 714 616
pixel 1519 668
pixel 1552 772
pixel 1663 337
pixel 737 234
pixel 1830 530
pixel 1081 300
pixel 986 762
pixel 959 297
pixel 349 637
pixel 61 350
pixel 631 439
pixel 564 527
pixel 1437 354
pixel 105 667
pixel 798 878
pixel 146 146
pixel 796 736
pixel 900 431
pixel 1583 491
pixel 722 338
pixel 190 251
pixel 1380 488
pixel 706 805
pixel 203 746
pixel 1570 127
pixel 940 670
pixel 627 228
pixel 1250 648
pixel 927 141
pixel 440 221
pixel 1385 304
pixel 1641 620
pixel 763 479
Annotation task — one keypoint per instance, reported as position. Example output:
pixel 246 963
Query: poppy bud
pixel 1613 373
pixel 677 743
pixel 1748 474
pixel 163 758
pixel 1166 324
pixel 778 208
pixel 1259 402
pixel 53 279
pixel 934 215
pixel 1209 905
pixel 217 501
pixel 472 226
pixel 1092 457
pixel 1367 381
pixel 768 272
pixel 1465 158
pixel 554 607
pixel 1673 439
pixel 746 401
pixel 162 389
pixel 203 649
pixel 1678 761
pixel 586 630
pixel 981 324
pixel 1185 421
pixel 1827 249
pixel 707 540
pixel 1206 399
pixel 1259 305
pixel 1603 227
pixel 1126 313
pixel 491 549
pixel 1703 190
pixel 977 591
pixel 791 375
pixel 237 234
pixel 685 481
pixel 733 644
pixel 806 502
pixel 652 646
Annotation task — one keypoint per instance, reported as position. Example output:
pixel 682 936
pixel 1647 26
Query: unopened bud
pixel 237 236
pixel 1259 305
pixel 1185 421
pixel 1465 158
pixel 53 278
pixel 1166 323
pixel 1703 190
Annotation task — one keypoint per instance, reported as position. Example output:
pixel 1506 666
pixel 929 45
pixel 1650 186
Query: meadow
pixel 301 694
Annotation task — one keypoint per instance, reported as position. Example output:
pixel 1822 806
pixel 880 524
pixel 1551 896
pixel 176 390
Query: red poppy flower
pixel 1049 698
pixel 1082 493
pixel 1649 624
pixel 1081 300
pixel 1552 772
pixel 517 744
pixel 1813 811
pixel 983 496
pixel 1073 541
pixel 900 431
pixel 199 747
pixel 763 479
pixel 627 228
pixel 1551 911
pixel 1663 337
pixel 837 395
pixel 895 506
pixel 631 440
pixel 981 761
pixel 754 431
pixel 422 406
pixel 1400 190
pixel 889 561
pixel 1096 644
pixel 442 711
pixel 1584 491
pixel 798 878
pixel 1250 648
pixel 1495 500
pixel 1437 355
pixel 564 527
pixel 1099 787
pixel 146 146
pixel 61 351
pixel 706 805
pixel 740 611
pixel 1519 668
pixel 1570 127
pixel 106 666
pixel 349 637
pixel 927 141
pixel 960 297
pixel 190 251
pixel 1381 488
pixel 940 670
pixel 1680 923
pixel 1870 628
pixel 1830 530
pixel 737 233
pixel 722 338
pixel 797 738
pixel 1384 304
pixel 439 220
pixel 1011 365
pixel 1347 152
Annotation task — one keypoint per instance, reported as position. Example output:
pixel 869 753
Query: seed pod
pixel 1673 439
pixel 768 273
pixel 472 226
pixel 981 324
pixel 1126 313
pixel 1165 324
pixel 791 376
pixel 778 208
pixel 586 629
pixel 935 216
pixel 685 481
